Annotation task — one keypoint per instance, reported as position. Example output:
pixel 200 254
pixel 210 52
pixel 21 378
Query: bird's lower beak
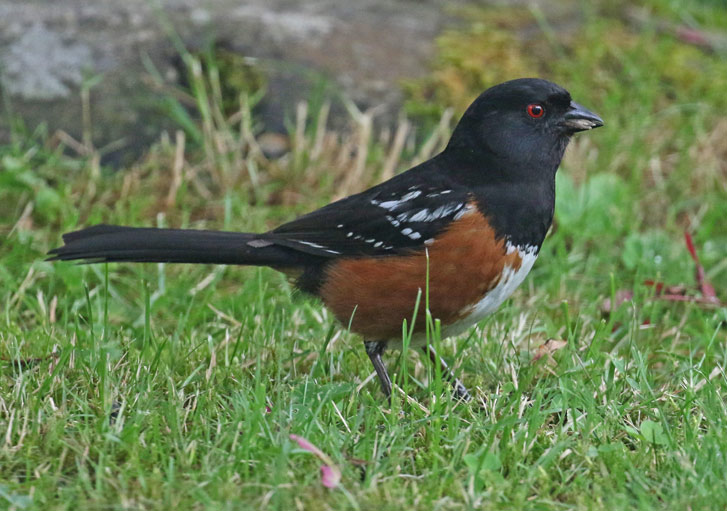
pixel 579 118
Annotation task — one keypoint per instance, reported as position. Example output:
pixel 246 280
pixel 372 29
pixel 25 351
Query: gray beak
pixel 579 118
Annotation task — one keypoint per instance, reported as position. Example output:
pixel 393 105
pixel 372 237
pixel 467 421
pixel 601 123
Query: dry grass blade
pixel 176 168
pixel 394 155
pixel 705 286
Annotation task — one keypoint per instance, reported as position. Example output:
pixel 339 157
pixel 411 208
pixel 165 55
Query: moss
pixel 469 60
pixel 596 52
pixel 238 75
pixel 710 14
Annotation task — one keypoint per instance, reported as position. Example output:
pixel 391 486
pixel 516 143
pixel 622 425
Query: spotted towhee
pixel 464 227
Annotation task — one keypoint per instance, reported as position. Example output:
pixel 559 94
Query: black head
pixel 526 123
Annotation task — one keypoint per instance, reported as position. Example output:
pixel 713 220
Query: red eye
pixel 536 111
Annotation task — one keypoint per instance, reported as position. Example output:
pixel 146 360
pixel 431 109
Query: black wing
pixel 398 216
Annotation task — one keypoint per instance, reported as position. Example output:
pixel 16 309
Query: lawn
pixel 179 387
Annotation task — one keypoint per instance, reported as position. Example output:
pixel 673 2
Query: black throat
pixel 516 196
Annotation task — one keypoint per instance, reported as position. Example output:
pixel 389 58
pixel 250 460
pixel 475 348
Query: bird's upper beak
pixel 579 118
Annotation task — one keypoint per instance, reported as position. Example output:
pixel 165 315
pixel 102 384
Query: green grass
pixel 173 387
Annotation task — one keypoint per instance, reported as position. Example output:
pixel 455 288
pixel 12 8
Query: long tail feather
pixel 107 243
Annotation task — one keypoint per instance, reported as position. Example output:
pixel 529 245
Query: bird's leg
pixel 460 391
pixel 374 349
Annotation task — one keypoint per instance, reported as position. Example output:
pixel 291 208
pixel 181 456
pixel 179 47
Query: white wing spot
pixel 415 235
pixel 393 221
pixel 259 243
pixel 425 215
pixel 443 211
pixel 310 244
pixel 462 212
pixel 420 216
pixel 316 245
pixel 411 195
pixel 437 194
pixel 391 205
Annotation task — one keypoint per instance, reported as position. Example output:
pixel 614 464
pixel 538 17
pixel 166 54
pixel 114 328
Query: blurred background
pixel 240 114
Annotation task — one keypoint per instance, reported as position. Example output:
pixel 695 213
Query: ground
pixel 162 386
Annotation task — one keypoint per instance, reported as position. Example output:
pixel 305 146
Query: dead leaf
pixel 550 347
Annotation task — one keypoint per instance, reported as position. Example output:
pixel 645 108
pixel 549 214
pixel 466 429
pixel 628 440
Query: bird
pixel 464 227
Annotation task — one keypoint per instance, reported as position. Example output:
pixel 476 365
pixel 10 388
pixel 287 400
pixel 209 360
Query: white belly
pixel 509 281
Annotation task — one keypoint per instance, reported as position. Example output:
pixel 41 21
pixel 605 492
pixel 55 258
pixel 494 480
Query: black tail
pixel 107 243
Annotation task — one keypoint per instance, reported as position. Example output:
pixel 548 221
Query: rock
pixel 39 65
pixel 273 145
pixel 49 50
